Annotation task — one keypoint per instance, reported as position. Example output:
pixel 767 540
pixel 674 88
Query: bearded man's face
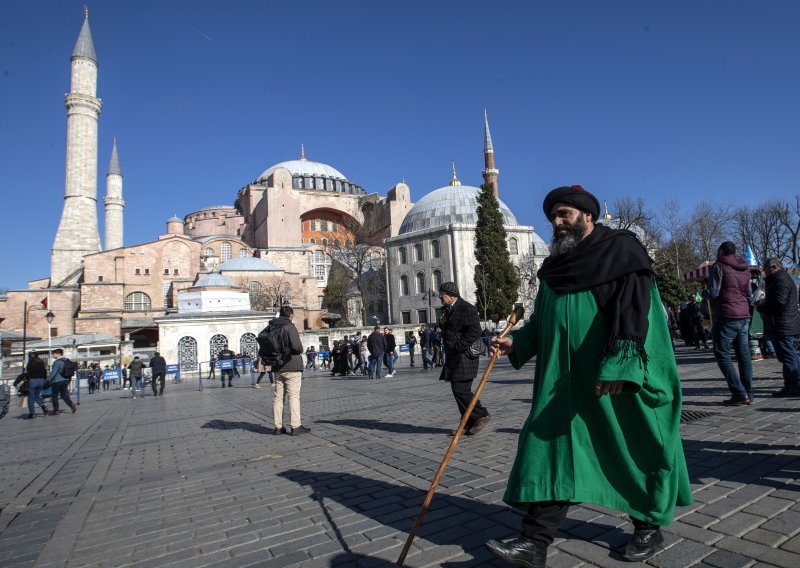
pixel 569 229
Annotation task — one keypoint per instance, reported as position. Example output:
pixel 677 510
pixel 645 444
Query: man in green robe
pixel 604 425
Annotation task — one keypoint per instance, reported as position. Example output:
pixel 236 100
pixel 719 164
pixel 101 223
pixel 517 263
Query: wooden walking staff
pixel 512 321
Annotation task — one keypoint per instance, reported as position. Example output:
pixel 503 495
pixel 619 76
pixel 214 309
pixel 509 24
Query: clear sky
pixel 684 100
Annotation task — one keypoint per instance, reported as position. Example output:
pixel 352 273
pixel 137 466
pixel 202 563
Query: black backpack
pixel 70 368
pixel 273 346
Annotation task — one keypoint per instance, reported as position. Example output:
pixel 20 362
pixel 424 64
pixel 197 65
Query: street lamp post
pixel 49 316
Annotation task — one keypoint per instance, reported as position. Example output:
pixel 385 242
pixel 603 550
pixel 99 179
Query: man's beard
pixel 568 240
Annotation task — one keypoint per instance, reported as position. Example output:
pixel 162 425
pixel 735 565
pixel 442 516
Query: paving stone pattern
pixel 197 478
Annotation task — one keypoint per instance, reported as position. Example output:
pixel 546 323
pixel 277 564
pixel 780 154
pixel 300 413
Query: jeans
pixel 161 377
pixel 375 366
pixel 60 390
pixel 35 387
pixel 390 359
pixel 786 352
pixel 311 363
pixel 727 332
pixel 427 361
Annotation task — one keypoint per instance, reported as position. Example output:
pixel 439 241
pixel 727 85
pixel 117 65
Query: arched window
pixel 208 252
pixel 217 344
pixel 420 282
pixel 225 251
pixel 437 279
pixel 312 240
pixel 187 353
pixel 435 252
pixel 243 253
pixel 512 246
pixel 401 255
pixel 404 285
pixel 248 346
pixel 418 252
pixel 254 289
pixel 320 265
pixel 324 242
pixel 137 302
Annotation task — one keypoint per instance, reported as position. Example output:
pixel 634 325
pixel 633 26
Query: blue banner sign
pixel 173 369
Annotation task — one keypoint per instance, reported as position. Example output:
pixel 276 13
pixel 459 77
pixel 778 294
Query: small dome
pixel 174 219
pixel 250 263
pixel 213 280
pixel 448 205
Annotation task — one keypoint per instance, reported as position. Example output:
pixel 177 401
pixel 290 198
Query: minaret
pixel 77 233
pixel 490 172
pixel 114 202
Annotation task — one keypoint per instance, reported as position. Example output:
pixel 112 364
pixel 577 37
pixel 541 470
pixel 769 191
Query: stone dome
pixel 213 280
pixel 250 263
pixel 307 174
pixel 448 205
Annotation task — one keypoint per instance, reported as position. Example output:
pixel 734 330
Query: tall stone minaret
pixel 490 172
pixel 77 233
pixel 114 202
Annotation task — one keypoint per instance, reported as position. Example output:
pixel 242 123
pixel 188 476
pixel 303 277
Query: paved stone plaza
pixel 197 478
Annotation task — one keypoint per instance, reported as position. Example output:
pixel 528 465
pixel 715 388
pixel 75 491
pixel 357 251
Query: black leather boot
pixel 520 551
pixel 643 544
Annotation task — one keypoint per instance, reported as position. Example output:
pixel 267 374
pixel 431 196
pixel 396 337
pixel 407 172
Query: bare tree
pixel 528 281
pixel 788 213
pixel 633 215
pixel 272 295
pixel 708 227
pixel 360 251
pixel 762 229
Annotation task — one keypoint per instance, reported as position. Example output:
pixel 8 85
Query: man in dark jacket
pixel 461 327
pixel 376 345
pixel 782 324
pixel 288 376
pixel 37 374
pixel 389 355
pixel 136 370
pixel 226 355
pixel 159 367
pixel 729 291
pixel 59 384
pixel 426 347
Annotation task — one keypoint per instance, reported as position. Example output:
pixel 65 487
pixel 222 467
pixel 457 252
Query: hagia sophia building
pixel 217 275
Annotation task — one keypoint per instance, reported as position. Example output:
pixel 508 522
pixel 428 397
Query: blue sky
pixel 685 100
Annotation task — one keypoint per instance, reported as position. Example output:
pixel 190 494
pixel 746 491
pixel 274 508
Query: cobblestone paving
pixel 197 479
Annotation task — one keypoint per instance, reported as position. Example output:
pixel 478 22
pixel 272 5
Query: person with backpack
pixel 281 348
pixel 226 355
pixel 37 374
pixel 135 368
pixel 61 374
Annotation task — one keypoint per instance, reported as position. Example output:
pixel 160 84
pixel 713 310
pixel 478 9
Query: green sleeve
pixel 526 341
pixel 622 367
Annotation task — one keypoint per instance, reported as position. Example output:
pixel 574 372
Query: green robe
pixel 621 451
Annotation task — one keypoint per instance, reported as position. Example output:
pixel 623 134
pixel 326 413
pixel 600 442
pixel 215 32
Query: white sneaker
pixel 256 386
pixel 390 375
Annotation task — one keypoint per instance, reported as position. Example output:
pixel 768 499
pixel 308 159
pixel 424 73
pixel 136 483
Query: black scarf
pixel 614 265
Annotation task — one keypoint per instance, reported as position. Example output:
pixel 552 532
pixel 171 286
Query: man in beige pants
pixel 288 372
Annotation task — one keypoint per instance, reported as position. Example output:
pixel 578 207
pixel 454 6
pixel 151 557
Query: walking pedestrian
pixel 730 294
pixel 782 324
pixel 37 375
pixel 376 345
pixel 158 365
pixel 604 424
pixel 461 327
pixel 59 379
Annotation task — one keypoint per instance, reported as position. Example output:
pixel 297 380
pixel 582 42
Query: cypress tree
pixel 496 279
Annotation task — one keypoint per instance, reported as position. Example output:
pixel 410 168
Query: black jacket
pixel 780 305
pixel 295 345
pixel 158 364
pixel 36 368
pixel 461 326
pixel 390 343
pixel 376 344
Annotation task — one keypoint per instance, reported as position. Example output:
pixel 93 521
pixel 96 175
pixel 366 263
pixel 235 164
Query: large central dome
pixel 448 205
pixel 307 174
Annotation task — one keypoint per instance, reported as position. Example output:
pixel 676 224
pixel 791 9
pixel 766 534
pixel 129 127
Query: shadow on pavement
pixel 227 425
pixel 366 424
pixel 450 520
